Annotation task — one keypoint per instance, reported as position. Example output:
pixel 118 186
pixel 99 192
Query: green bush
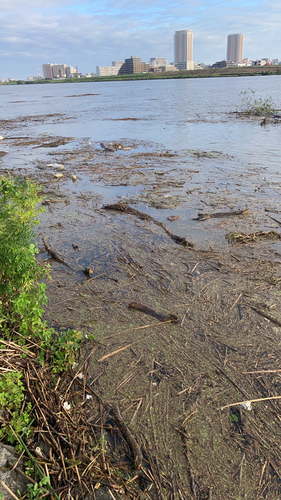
pixel 22 297
pixel 21 294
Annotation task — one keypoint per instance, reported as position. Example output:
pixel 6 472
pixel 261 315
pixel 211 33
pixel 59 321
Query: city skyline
pixel 90 34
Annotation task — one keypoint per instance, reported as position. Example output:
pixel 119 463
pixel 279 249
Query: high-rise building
pixel 131 65
pixel 234 48
pixel 59 70
pixel 48 70
pixel 183 49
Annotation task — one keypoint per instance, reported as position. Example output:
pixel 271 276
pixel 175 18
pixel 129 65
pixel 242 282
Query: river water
pixel 180 116
pixel 176 113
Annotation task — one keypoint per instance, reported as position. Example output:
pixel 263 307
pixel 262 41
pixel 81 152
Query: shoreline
pixel 204 73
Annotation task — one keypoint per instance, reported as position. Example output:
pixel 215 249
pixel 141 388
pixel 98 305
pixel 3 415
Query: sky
pixel 95 33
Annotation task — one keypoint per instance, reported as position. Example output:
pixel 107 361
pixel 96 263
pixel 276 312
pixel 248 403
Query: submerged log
pixel 55 256
pixel 138 306
pixel 122 207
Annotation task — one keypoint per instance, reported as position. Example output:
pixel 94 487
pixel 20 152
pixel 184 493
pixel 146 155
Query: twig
pixel 123 348
pixel 55 256
pixel 137 328
pixel 249 401
pixel 234 304
pixel 10 491
pixel 125 258
pixel 188 417
pixel 270 318
pixel 261 371
pixel 137 409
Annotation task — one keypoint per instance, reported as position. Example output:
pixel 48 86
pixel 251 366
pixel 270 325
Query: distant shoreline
pixel 203 73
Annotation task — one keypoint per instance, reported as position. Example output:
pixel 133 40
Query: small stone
pixel 74 177
pixel 15 481
pixel 1 137
pixel 58 176
pixel 171 218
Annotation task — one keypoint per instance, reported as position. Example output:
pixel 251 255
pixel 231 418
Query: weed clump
pixel 255 106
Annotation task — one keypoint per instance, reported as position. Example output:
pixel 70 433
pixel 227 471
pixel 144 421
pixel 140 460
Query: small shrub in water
pixel 251 105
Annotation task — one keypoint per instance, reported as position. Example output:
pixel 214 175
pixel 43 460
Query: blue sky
pixel 92 33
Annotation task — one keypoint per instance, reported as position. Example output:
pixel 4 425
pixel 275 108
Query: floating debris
pixel 252 237
pixel 222 214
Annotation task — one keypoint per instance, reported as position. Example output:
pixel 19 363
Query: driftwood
pixel 55 256
pixel 122 207
pixel 178 239
pixel 138 306
pixel 222 214
pixel 126 433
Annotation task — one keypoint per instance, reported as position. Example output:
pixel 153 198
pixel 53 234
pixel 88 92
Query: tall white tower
pixel 183 49
pixel 234 48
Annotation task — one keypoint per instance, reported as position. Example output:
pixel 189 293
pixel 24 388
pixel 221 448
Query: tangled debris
pixel 80 441
pixel 252 237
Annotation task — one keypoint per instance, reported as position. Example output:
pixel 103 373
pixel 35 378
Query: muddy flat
pixel 198 382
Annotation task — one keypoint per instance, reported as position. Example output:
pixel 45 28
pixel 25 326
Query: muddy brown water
pixel 170 381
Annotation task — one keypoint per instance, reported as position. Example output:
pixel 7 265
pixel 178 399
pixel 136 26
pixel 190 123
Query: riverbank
pixel 204 73
pixel 181 384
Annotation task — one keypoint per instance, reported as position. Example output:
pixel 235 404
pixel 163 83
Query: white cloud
pixel 87 34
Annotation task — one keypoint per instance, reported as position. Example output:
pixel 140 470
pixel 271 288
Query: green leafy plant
pixel 22 297
pixel 251 105
pixel 21 294
pixel 11 399
pixel 37 490
pixel 64 347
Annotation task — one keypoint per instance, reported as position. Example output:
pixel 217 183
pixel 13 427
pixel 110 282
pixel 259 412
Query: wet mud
pixel 178 384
